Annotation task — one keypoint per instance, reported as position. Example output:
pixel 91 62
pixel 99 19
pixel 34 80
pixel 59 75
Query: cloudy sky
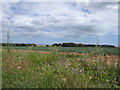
pixel 57 22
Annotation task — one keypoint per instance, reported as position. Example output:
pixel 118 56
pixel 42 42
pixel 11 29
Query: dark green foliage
pixel 17 44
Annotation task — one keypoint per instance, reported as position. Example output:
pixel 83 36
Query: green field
pixel 113 51
pixel 55 70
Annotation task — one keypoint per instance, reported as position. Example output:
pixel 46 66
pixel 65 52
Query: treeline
pixel 80 45
pixel 17 44
pixel 59 45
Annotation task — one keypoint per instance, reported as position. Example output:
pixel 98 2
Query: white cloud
pixel 60 19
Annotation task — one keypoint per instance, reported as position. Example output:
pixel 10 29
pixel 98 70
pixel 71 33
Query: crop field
pixel 101 51
pixel 54 70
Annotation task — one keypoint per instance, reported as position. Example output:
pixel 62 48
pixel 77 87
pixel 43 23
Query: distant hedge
pixel 59 44
pixel 80 45
pixel 17 44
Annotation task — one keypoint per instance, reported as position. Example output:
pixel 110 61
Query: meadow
pixel 41 70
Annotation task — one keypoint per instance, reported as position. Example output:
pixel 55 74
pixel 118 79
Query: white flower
pixel 115 64
pixel 90 77
pixel 19 67
pixel 64 79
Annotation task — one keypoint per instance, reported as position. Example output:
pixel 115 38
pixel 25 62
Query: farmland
pixel 31 69
pixel 101 51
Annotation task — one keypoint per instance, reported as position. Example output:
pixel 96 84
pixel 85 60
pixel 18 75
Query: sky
pixel 59 22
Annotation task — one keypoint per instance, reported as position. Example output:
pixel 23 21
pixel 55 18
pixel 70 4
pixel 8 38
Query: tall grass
pixel 55 70
pixel 0 67
pixel 8 40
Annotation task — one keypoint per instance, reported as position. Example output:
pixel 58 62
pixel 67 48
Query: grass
pixel 0 67
pixel 55 70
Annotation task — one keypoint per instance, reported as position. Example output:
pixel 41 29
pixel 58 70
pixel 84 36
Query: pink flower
pixel 81 70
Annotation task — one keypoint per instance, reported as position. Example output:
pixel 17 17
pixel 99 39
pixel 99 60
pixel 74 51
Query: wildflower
pixel 43 68
pixel 74 69
pixel 65 69
pixel 97 57
pixel 99 68
pixel 40 73
pixel 90 77
pixel 22 57
pixel 88 65
pixel 82 67
pixel 19 67
pixel 108 62
pixel 94 68
pixel 115 64
pixel 64 79
pixel 81 70
pixel 93 61
pixel 49 65
pixel 62 75
pixel 60 64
